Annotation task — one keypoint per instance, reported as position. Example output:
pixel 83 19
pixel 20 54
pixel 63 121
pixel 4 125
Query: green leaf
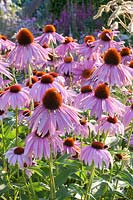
pixel 63 193
pixel 126 177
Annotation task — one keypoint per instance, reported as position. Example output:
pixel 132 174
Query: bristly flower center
pixel 83 121
pixel 52 99
pixel 106 35
pixel 86 73
pixel 68 59
pixel 68 39
pixel 131 64
pixel 132 106
pixel 97 145
pixel 19 150
pixel 69 142
pixel 112 120
pixel 34 79
pixel 89 38
pixel 2 112
pixel 54 74
pixel 125 51
pixel 86 89
pixel 40 73
pixel 49 28
pixel 102 91
pixel 47 78
pixel 24 37
pixel 15 88
pixel 112 57
pixel 3 37
pixel 26 113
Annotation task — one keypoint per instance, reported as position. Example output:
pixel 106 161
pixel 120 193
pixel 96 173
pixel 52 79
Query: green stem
pixel 30 74
pixel 33 191
pixel 17 127
pixel 90 181
pixel 3 143
pixel 52 182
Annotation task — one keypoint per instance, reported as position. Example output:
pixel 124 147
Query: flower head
pixel 96 153
pixel 24 37
pixel 17 155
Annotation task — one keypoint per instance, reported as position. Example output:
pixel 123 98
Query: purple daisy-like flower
pixel 111 71
pixel 17 155
pixel 52 114
pixel 98 154
pixel 83 71
pixel 128 115
pixel 5 44
pixel 86 49
pixel 49 35
pixel 71 146
pixel 27 52
pixel 126 54
pixel 84 92
pixel 106 41
pixel 66 66
pixel 110 125
pixel 39 145
pixel 47 81
pixel 15 97
pixel 84 128
pixel 101 101
pixel 68 46
pixel 4 70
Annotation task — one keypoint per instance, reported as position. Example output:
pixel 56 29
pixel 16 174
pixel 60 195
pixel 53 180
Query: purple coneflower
pixel 3 69
pixel 111 71
pixel 101 101
pixel 67 46
pixel 47 81
pixel 15 97
pixel 128 116
pixel 84 128
pixel 66 66
pixel 96 153
pixel 17 155
pixel 52 114
pixel 71 146
pixel 110 125
pixel 126 55
pixel 27 52
pixel 39 145
pixel 49 35
pixel 86 49
pixel 5 44
pixel 83 71
pixel 84 92
pixel 106 41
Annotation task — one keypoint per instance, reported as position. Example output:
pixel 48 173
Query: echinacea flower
pixel 126 55
pixel 40 145
pixel 84 128
pixel 66 66
pixel 52 114
pixel 98 154
pixel 101 101
pixel 111 125
pixel 84 71
pixel 84 92
pixel 49 35
pixel 68 46
pixel 15 97
pixel 106 41
pixel 17 155
pixel 5 44
pixel 4 70
pixel 128 115
pixel 71 146
pixel 26 52
pixel 86 49
pixel 47 81
pixel 112 71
